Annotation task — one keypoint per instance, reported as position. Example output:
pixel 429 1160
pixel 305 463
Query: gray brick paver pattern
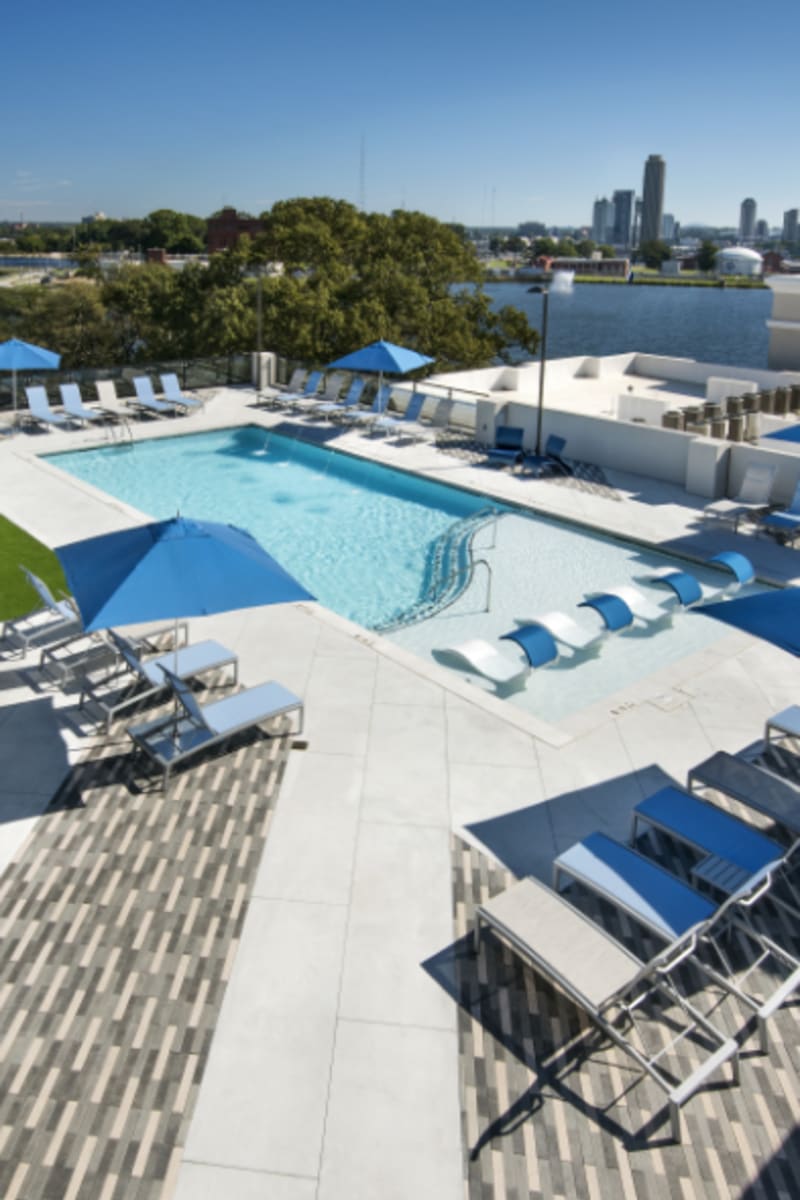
pixel 120 922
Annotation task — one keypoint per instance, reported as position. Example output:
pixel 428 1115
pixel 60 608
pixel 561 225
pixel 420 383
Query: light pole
pixel 545 303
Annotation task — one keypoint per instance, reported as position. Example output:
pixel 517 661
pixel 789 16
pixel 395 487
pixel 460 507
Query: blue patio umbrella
pixel 773 616
pixel 382 358
pixel 24 356
pixel 171 569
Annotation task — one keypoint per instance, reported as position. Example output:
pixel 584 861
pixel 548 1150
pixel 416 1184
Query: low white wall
pixel 646 409
pixel 717 389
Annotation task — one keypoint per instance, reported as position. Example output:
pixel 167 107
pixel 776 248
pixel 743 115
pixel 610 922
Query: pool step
pixel 448 571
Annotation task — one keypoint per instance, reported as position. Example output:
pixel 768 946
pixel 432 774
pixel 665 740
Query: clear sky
pixel 482 113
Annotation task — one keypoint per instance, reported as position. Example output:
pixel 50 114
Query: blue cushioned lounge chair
pixel 309 391
pixel 174 738
pixel 551 461
pixel 507 446
pixel 40 412
pixel 408 423
pixel 332 409
pixel 173 394
pixel 359 416
pixel 691 922
pixel 74 407
pixel 605 980
pixel 785 522
pixel 145 400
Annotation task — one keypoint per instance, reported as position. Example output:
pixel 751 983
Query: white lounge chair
pixel 172 739
pixel 568 631
pixel 752 496
pixel 51 620
pixel 606 981
pixel 40 412
pixel 485 659
pixel 624 607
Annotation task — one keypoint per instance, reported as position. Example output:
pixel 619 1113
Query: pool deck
pixel 336 1068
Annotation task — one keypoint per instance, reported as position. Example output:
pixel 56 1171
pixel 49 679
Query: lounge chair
pixel 172 739
pixel 109 401
pixel 753 495
pixel 408 423
pixel 173 394
pixel 624 607
pixel 507 446
pixel 689 921
pixel 140 679
pixel 40 412
pixel 538 645
pixel 783 724
pixel 145 400
pixel 606 981
pixel 751 785
pixel 485 659
pixel 52 619
pixel 331 409
pixel 784 523
pixel 368 416
pixel 568 631
pixel 730 850
pixel 74 407
pixel 688 589
pixel 551 460
pixel 309 391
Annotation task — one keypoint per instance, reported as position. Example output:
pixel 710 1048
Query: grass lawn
pixel 17 547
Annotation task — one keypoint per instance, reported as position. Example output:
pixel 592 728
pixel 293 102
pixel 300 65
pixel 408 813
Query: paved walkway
pixel 335 1069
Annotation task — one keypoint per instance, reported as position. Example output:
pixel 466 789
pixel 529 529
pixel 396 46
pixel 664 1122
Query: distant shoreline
pixel 639 281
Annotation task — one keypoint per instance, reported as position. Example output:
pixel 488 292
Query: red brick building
pixel 224 230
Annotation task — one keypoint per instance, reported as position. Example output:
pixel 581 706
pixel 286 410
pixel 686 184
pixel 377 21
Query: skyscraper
pixel 602 220
pixel 655 170
pixel 790 233
pixel 747 220
pixel 623 218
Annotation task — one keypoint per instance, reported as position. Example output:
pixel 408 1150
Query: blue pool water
pixel 357 535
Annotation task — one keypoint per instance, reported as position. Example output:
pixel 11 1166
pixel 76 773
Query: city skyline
pixel 194 108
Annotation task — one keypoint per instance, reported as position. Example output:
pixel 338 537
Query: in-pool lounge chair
pixel 784 523
pixel 173 394
pixel 537 644
pixel 624 607
pixel 607 982
pixel 693 925
pixel 688 589
pixel 568 631
pixel 135 680
pixel 145 400
pixel 40 412
pixel 172 739
pixel 74 407
pixel 51 620
pixel 753 495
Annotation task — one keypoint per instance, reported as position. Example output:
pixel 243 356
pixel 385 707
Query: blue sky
pixel 481 113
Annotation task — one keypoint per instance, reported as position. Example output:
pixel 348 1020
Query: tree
pixel 585 248
pixel 654 253
pixel 707 256
pixel 545 247
pixel 607 251
pixel 566 248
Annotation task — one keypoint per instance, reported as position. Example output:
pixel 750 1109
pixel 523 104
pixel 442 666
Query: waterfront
pixel 709 324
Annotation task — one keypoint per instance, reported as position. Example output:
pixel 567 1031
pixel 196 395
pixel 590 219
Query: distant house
pixel 224 230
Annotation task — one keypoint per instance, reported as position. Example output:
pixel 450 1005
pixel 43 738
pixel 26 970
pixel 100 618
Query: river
pixel 722 325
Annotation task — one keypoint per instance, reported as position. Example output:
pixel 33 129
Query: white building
pixel 738 260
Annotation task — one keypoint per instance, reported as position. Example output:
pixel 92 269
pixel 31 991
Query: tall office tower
pixel 623 218
pixel 790 231
pixel 602 220
pixel 655 170
pixel 668 225
pixel 747 220
pixel 762 230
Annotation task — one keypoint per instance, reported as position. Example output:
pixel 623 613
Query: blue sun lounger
pixel 145 399
pixel 551 460
pixel 308 392
pixel 507 446
pixel 331 409
pixel 672 910
pixel 173 394
pixel 172 739
pixel 538 644
pixel 140 679
pixel 604 980
pixel 784 523
pixel 408 423
pixel 41 413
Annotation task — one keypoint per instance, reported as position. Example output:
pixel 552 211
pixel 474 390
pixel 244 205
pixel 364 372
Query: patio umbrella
pixel 382 358
pixel 24 356
pixel 773 616
pixel 176 568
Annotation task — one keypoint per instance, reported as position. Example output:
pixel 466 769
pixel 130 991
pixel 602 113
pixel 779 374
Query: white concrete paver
pixel 334 1069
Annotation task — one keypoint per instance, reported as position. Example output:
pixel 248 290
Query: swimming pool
pixel 358 535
